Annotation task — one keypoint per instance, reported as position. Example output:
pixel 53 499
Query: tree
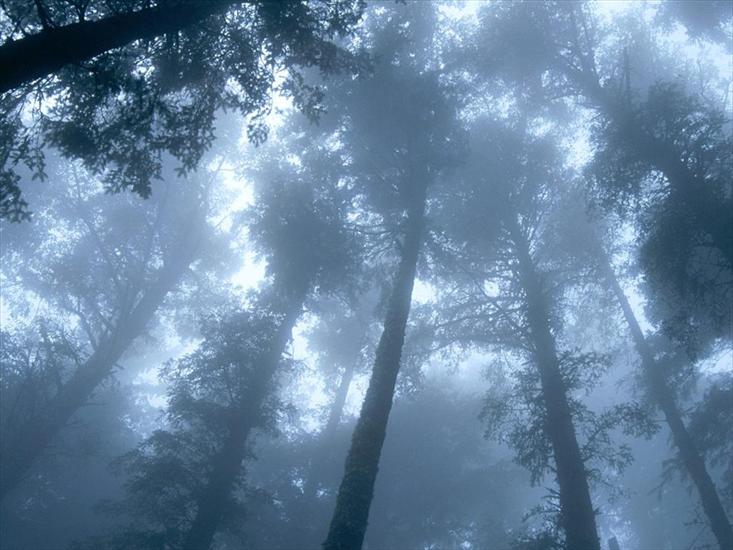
pixel 323 186
pixel 657 364
pixel 226 389
pixel 508 294
pixel 702 20
pixel 301 228
pixel 108 284
pixel 690 456
pixel 398 150
pixel 434 476
pixel 181 479
pixel 342 340
pixel 54 502
pixel 710 428
pixel 645 129
pixel 119 84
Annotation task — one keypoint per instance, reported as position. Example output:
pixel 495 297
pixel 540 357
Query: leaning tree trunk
pixel 691 457
pixel 227 465
pixel 44 53
pixel 349 521
pixel 19 455
pixel 576 507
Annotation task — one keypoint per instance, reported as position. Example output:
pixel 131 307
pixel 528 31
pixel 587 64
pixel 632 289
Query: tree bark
pixel 20 455
pixel 690 455
pixel 576 507
pixel 349 521
pixel 41 54
pixel 227 465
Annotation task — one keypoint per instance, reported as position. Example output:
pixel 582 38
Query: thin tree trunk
pixel 349 521
pixel 20 455
pixel 329 432
pixel 339 400
pixel 691 457
pixel 41 54
pixel 227 465
pixel 576 507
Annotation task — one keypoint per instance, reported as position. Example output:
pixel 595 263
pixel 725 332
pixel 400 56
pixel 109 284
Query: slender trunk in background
pixel 227 465
pixel 44 53
pixel 328 433
pixel 576 508
pixel 349 521
pixel 690 455
pixel 19 455
pixel 339 400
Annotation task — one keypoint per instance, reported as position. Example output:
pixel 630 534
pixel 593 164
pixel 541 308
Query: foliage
pixel 571 158
pixel 166 473
pixel 514 413
pixel 121 111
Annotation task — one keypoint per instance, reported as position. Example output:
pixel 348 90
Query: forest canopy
pixel 350 274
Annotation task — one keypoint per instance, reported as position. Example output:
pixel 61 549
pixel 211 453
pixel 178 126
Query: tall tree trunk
pixel 576 507
pixel 41 54
pixel 19 455
pixel 329 432
pixel 350 517
pixel 691 457
pixel 227 465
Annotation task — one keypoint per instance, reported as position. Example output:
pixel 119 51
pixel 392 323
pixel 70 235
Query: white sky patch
pixel 309 392
pixel 461 9
pixel 282 105
pixel 250 274
pixel 148 376
pixel 720 362
pixel 423 293
pixel 577 145
pixel 356 394
pixel 6 317
pixel 299 346
pixel 491 288
pixel 613 8
pixel 158 401
pixel 636 298
pixel 638 303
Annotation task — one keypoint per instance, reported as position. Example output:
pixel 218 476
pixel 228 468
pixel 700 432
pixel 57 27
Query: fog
pixel 351 274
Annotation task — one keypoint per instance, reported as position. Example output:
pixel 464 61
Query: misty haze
pixel 366 274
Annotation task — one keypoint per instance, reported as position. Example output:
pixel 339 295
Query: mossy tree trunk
pixel 349 521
